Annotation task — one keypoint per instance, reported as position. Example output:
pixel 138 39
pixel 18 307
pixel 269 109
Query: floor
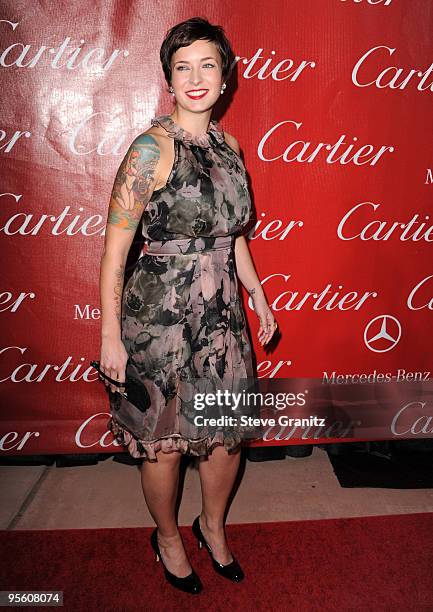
pixel 109 495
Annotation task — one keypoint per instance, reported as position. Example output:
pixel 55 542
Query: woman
pixel 179 320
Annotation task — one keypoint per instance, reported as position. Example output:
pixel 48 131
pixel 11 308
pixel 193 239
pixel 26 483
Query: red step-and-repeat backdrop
pixel 331 103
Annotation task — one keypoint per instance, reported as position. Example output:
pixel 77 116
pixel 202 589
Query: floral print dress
pixel 183 323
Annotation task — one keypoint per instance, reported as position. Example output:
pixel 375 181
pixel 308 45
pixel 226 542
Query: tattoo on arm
pixel 133 187
pixel 251 291
pixel 134 183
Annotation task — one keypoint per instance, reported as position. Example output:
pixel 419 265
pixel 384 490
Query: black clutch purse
pixel 135 392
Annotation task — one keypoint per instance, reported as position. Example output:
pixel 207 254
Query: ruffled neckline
pixel 213 135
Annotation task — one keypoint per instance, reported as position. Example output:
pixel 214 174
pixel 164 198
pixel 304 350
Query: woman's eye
pixel 181 67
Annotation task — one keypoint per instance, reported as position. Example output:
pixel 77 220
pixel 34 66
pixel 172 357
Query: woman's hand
pixel 113 362
pixel 268 325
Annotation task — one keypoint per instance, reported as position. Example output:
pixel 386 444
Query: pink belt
pixel 185 246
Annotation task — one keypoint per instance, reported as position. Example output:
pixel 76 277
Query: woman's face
pixel 196 68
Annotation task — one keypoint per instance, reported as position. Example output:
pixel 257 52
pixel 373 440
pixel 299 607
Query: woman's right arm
pixel 124 216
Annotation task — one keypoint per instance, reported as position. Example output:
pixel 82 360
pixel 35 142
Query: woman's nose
pixel 195 77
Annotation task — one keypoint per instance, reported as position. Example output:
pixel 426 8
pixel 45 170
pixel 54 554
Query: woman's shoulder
pixel 153 144
pixel 232 142
pixel 150 144
pixel 154 133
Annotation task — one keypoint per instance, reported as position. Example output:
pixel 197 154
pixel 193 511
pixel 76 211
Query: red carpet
pixel 379 563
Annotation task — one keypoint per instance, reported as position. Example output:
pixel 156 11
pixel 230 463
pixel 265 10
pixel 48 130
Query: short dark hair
pixel 185 33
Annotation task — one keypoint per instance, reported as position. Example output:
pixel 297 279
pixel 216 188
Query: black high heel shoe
pixel 189 584
pixel 232 570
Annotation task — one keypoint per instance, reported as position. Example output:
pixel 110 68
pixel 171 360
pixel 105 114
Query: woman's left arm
pixel 248 276
pixel 249 279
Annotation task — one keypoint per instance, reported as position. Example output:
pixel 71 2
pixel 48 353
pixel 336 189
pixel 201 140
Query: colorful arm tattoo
pixel 134 183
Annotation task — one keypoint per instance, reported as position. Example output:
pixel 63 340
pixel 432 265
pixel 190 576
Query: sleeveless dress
pixel 182 320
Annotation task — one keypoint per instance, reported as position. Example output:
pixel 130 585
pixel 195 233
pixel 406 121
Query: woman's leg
pixel 160 483
pixel 217 476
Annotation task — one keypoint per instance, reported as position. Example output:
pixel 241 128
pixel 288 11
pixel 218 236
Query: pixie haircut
pixel 185 33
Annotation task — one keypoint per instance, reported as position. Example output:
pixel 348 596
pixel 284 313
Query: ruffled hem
pixel 145 449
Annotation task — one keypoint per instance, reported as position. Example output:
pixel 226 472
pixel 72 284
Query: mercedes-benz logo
pixel 383 331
